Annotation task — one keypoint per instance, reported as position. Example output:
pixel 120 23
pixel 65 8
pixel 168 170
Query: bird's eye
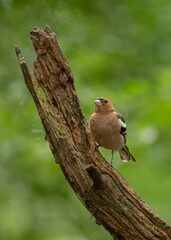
pixel 106 101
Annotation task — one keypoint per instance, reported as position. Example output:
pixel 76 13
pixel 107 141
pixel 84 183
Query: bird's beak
pixel 97 102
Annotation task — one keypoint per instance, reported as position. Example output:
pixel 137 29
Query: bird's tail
pixel 125 154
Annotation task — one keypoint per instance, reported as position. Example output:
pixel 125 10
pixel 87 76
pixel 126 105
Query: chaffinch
pixel 108 128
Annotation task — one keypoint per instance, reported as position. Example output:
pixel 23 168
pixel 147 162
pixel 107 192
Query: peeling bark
pixel 102 190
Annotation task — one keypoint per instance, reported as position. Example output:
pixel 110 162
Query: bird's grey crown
pixel 100 98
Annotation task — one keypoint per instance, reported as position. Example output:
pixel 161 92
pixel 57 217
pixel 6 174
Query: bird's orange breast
pixel 105 129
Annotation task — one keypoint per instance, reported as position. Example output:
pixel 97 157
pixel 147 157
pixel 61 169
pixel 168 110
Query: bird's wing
pixel 123 125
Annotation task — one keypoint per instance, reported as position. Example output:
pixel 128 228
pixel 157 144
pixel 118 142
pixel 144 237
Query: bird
pixel 108 129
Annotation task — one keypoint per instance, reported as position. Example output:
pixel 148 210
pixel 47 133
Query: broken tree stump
pixel 102 190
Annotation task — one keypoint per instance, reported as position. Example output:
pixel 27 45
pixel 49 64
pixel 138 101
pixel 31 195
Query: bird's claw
pixel 95 148
pixel 111 164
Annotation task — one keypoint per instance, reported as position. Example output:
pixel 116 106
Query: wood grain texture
pixel 103 191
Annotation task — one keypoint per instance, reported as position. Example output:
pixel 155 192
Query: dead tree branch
pixel 103 191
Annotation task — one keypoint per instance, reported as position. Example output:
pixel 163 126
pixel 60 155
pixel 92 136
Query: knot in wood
pixel 96 176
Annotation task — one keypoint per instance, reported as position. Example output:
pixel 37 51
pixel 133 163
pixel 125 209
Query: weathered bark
pixel 103 191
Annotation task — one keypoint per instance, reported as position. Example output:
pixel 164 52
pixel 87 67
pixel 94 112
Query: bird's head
pixel 103 105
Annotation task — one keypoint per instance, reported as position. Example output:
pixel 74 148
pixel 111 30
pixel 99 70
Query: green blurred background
pixel 117 49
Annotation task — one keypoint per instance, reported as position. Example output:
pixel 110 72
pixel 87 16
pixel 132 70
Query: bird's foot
pixel 95 148
pixel 111 164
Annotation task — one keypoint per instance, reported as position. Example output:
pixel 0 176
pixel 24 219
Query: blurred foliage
pixel 117 49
